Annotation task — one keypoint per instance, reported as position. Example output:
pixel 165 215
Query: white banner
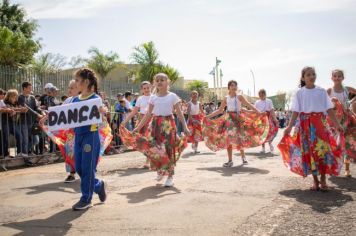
pixel 75 114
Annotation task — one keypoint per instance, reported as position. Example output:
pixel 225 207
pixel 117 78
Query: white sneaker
pixel 169 182
pixel 159 178
pixel 271 148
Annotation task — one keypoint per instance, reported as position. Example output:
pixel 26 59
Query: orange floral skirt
pixel 240 131
pixel 312 149
pixel 161 144
pixel 348 121
pixel 195 128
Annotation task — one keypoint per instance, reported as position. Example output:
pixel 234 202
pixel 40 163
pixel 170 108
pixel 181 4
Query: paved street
pixel 261 198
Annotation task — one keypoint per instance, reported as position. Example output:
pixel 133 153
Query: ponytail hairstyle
pixel 88 74
pixel 159 75
pixel 143 83
pixel 304 71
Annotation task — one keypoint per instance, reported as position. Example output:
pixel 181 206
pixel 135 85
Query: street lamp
pixel 254 83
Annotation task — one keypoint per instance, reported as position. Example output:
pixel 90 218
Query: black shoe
pixel 69 179
pixel 102 192
pixel 81 206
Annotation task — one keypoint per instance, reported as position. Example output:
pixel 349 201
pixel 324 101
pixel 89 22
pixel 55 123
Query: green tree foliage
pixel 200 86
pixel 146 55
pixel 102 63
pixel 17 45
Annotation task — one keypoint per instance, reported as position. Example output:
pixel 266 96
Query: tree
pixel 102 63
pixel 15 48
pixel 200 86
pixel 48 63
pixel 76 62
pixel 17 44
pixel 146 55
pixel 280 100
pixel 172 73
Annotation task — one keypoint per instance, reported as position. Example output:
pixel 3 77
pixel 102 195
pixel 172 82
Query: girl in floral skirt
pixel 162 146
pixel 236 128
pixel 195 119
pixel 266 105
pixel 141 108
pixel 339 96
pixel 313 149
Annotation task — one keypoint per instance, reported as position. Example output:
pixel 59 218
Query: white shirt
pixel 311 100
pixel 2 104
pixel 233 104
pixel 264 105
pixel 342 97
pixel 194 108
pixel 127 104
pixel 68 100
pixel 163 106
pixel 142 103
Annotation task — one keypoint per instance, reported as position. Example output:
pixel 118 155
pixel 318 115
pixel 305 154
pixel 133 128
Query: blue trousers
pixel 86 153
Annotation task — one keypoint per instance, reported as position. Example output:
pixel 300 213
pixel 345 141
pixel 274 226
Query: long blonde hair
pixel 163 75
pixel 10 93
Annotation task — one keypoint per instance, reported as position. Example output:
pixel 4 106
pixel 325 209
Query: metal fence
pixel 12 78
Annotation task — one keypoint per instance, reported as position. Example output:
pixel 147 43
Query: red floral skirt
pixel 196 129
pixel 161 144
pixel 244 130
pixel 65 141
pixel 273 128
pixel 348 121
pixel 312 149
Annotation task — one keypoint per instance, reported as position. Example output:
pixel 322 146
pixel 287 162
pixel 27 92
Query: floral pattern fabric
pixel 348 121
pixel 239 130
pixel 162 145
pixel 65 141
pixel 312 149
pixel 273 128
pixel 195 128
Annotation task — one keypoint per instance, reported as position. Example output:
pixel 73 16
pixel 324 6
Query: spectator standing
pixel 27 119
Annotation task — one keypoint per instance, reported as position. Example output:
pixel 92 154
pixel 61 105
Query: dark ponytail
pixel 305 69
pixel 88 74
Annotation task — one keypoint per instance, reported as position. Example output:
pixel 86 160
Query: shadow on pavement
pixel 191 154
pixel 73 187
pixel 322 202
pixel 257 154
pixel 127 172
pixel 152 192
pixel 344 183
pixel 58 224
pixel 236 170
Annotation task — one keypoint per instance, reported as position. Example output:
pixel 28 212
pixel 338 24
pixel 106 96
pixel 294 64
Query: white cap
pixel 48 86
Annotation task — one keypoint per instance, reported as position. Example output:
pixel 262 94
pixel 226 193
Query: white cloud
pixel 42 9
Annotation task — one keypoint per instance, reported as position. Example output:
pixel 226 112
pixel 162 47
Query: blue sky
pixel 274 38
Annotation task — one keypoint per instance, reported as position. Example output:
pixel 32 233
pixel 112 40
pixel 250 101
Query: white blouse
pixel 311 100
pixel 163 106
pixel 194 108
pixel 142 103
pixel 342 97
pixel 264 105
pixel 233 104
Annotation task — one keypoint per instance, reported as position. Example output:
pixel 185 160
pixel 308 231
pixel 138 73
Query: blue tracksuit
pixel 86 153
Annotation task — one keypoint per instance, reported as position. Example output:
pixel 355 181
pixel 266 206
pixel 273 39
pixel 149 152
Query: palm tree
pixel 172 73
pixel 146 55
pixel 200 86
pixel 48 63
pixel 102 63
